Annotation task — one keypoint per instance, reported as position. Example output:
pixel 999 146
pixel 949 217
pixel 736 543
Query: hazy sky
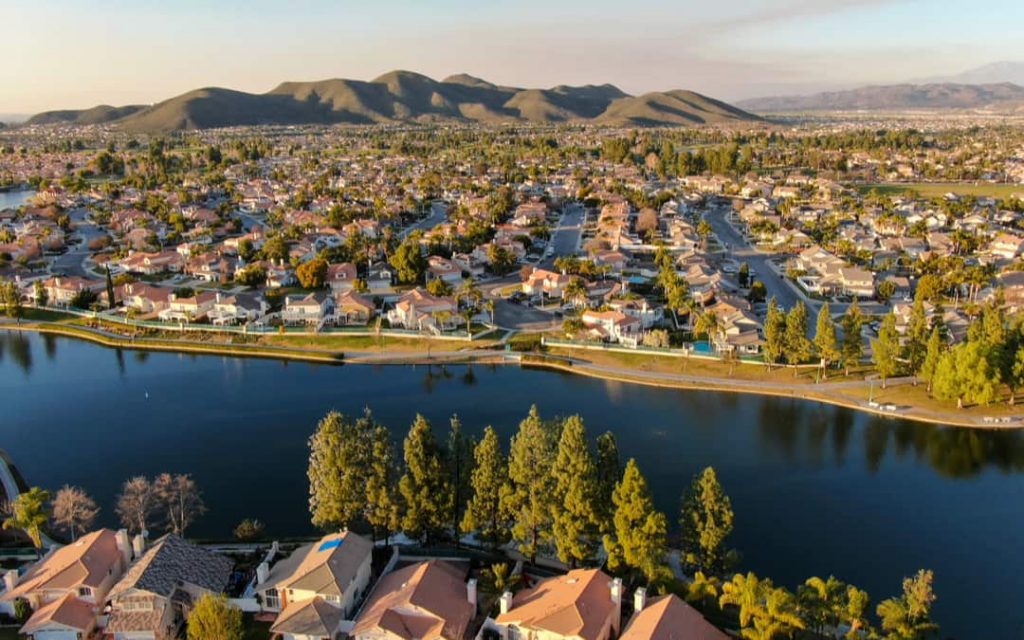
pixel 78 53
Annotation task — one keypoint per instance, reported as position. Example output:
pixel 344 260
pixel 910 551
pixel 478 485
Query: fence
pixel 654 351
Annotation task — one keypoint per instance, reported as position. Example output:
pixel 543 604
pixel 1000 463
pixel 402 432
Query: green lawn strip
pixel 933 189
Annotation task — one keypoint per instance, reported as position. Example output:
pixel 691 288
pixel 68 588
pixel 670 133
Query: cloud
pixel 780 12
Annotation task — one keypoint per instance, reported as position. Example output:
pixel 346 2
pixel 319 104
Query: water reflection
pixel 50 345
pixel 20 348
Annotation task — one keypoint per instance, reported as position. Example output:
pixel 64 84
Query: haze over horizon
pixel 80 53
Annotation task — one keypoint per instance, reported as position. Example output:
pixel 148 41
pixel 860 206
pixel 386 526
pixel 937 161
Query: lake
pixel 816 489
pixel 14 199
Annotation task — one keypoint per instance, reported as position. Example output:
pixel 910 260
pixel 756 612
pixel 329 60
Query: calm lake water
pixel 816 489
pixel 14 199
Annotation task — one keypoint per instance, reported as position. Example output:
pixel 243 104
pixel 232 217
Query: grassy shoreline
pixel 851 398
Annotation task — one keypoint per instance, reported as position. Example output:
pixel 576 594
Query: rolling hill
pixel 894 97
pixel 404 97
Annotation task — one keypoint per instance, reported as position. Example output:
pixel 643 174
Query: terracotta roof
pixel 68 611
pixel 172 560
pixel 86 562
pixel 669 618
pixel 424 601
pixel 577 604
pixel 329 565
pixel 313 617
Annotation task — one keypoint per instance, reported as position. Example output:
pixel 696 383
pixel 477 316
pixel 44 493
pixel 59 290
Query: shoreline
pixel 813 393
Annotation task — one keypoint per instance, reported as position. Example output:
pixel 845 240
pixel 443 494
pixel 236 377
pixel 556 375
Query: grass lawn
pixel 933 189
pixel 253 630
pixel 906 394
pixel 362 343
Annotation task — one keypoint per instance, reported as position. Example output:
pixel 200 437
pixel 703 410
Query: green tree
pixel 440 288
pixel 966 373
pixel 609 471
pixel 528 497
pixel 11 298
pixel 825 338
pixel 774 333
pixel 214 618
pixel 852 348
pixel 822 603
pixel 488 480
pixel 916 347
pixel 908 617
pixel 459 463
pixel 383 511
pixel 798 347
pixel 249 530
pixel 574 514
pixel 42 298
pixel 338 467
pixel 748 594
pixel 408 261
pixel 638 541
pixel 424 486
pixel 30 512
pixel 886 349
pixel 932 356
pixel 1016 379
pixel 111 298
pixel 706 522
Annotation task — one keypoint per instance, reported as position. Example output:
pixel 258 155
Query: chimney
pixel 139 545
pixel 506 602
pixel 616 590
pixel 262 573
pixel 471 592
pixel 639 600
pixel 10 579
pixel 124 545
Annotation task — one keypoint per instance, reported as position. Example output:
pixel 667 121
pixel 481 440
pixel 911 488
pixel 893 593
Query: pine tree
pixel 706 522
pixel 338 466
pixel 527 498
pixel 489 478
pixel 574 511
pixel 774 333
pixel 966 373
pixel 459 459
pixel 609 470
pixel 425 489
pixel 853 345
pixel 933 353
pixel 886 349
pixel 825 338
pixel 382 500
pixel 916 348
pixel 638 541
pixel 798 347
pixel 111 300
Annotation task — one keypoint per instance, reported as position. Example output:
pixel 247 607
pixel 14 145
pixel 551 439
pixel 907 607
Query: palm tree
pixel 710 324
pixel 575 292
pixel 30 512
pixel 489 306
pixel 748 593
pixel 703 590
pixel 778 620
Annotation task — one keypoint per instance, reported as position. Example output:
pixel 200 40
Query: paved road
pixel 565 238
pixel 71 262
pixel 740 250
pixel 438 214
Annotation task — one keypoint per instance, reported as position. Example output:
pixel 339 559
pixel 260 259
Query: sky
pixel 79 53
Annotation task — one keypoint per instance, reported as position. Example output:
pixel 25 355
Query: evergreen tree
pixel 638 541
pixel 933 353
pixel 459 459
pixel 111 299
pixel 774 333
pixel 916 347
pixel 853 345
pixel 213 617
pixel 609 470
pixel 383 511
pixel 574 512
pixel 965 373
pixel 798 347
pixel 489 478
pixel 825 338
pixel 886 349
pixel 425 489
pixel 706 522
pixel 339 455
pixel 528 497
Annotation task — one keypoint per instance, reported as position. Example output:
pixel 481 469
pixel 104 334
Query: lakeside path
pixel 846 393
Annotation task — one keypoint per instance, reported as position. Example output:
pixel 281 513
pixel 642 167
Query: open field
pixel 936 189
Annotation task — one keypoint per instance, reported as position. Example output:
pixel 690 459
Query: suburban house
pixel 311 308
pixel 231 308
pixel 613 326
pixel 440 268
pixel 418 309
pixel 341 277
pixel 667 618
pixel 61 290
pixel 188 309
pixel 152 600
pixel 317 586
pixel 153 263
pixel 353 308
pixel 379 277
pixel 142 297
pixel 1007 246
pixel 68 587
pixel 584 604
pixel 544 282
pixel 429 599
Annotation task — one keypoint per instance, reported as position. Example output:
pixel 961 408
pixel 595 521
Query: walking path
pixel 13 491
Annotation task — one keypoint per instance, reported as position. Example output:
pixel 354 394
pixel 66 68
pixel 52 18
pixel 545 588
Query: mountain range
pixel 402 97
pixel 896 97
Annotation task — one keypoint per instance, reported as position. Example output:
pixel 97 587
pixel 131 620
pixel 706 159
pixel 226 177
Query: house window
pixel 333 599
pixel 85 592
pixel 273 601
